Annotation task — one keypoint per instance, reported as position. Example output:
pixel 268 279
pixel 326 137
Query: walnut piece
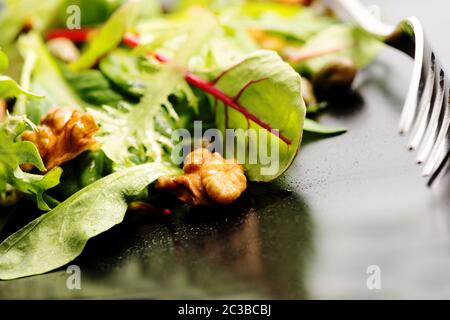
pixel 62 135
pixel 207 178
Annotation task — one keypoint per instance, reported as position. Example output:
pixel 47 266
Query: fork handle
pixel 354 9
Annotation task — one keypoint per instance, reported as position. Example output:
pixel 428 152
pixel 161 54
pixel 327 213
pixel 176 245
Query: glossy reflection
pixel 257 248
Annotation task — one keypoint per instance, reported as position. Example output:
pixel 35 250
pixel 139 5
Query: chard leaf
pixel 267 87
pixel 340 41
pixel 108 37
pixel 9 88
pixel 59 236
pixel 315 127
pixel 13 153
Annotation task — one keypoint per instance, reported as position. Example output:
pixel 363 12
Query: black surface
pixel 348 202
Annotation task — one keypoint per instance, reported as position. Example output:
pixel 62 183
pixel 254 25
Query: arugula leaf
pixel 108 37
pixel 59 236
pixel 337 42
pixel 315 127
pixel 9 88
pixel 13 153
pixel 254 84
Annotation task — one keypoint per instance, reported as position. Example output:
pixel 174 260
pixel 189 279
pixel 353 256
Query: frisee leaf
pixel 13 153
pixel 59 236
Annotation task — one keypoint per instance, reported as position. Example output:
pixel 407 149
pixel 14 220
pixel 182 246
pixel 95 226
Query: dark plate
pixel 347 203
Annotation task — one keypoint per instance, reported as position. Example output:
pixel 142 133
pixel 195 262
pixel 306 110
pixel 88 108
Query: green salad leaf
pixel 255 84
pixel 92 11
pixel 340 41
pixel 13 153
pixel 9 88
pixel 315 127
pixel 297 23
pixel 126 70
pixel 108 37
pixel 59 236
pixel 3 62
pixel 135 130
pixel 93 87
pixel 47 78
pixel 15 14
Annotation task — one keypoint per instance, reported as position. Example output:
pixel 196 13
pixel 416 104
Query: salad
pixel 107 105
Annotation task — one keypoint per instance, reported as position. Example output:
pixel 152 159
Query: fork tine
pixel 442 169
pixel 428 94
pixel 440 145
pixel 438 153
pixel 418 75
pixel 436 119
pixel 426 110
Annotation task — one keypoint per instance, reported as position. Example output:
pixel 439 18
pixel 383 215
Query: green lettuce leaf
pixel 126 70
pixel 59 236
pixel 9 88
pixel 297 23
pixel 92 87
pixel 3 62
pixel 315 127
pixel 48 79
pixel 263 84
pixel 108 37
pixel 13 153
pixel 337 42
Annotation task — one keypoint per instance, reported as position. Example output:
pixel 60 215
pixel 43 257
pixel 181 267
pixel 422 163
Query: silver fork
pixel 426 114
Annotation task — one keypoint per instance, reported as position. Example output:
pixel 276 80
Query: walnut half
pixel 207 178
pixel 62 135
